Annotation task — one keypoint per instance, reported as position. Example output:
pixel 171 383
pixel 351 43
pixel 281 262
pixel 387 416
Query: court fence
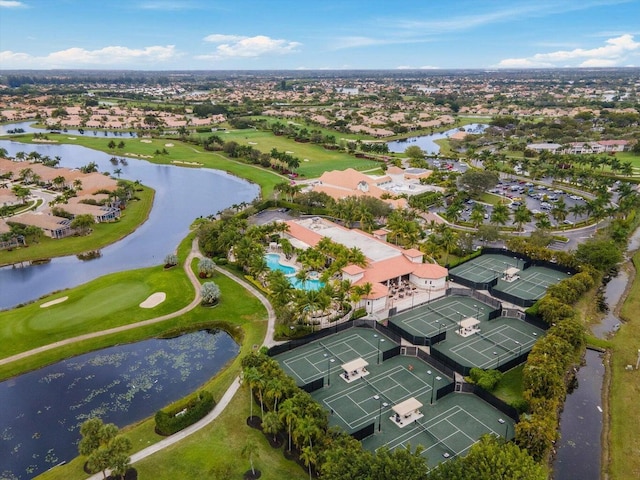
pixel 314 385
pixel 492 400
pixel 464 370
pixel 527 262
pixel 364 432
pixel 312 337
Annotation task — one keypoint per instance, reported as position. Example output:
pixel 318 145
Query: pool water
pixel 273 262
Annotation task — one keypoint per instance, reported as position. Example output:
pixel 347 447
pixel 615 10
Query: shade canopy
pixel 469 322
pixel 355 365
pixel 407 407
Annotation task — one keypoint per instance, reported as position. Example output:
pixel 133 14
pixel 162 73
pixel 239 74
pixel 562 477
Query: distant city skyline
pixel 332 35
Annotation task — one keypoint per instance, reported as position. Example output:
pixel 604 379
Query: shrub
pixel 184 413
pixel 210 293
pixel 206 267
pixel 171 260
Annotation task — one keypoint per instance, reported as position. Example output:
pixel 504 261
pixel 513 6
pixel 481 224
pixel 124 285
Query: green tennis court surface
pixel 314 360
pixel 533 283
pixel 499 340
pixel 446 313
pixel 485 268
pixel 448 426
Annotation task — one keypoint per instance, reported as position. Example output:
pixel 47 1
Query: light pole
pixel 519 347
pixel 381 404
pixel 506 428
pixel 638 361
pixel 498 356
pixel 329 362
pixel 380 340
pixel 433 381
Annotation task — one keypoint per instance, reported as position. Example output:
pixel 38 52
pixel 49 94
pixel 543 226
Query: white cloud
pixel 11 4
pixel 615 52
pixel 222 38
pixel 167 5
pixel 232 46
pixel 79 57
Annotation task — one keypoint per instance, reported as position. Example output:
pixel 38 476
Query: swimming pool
pixel 273 262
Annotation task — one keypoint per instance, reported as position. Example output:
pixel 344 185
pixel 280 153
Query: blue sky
pixel 325 34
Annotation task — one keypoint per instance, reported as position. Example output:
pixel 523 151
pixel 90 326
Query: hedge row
pixel 184 413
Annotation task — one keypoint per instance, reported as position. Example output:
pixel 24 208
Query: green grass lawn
pixel 509 388
pixel 624 392
pixel 314 159
pixel 103 234
pixel 113 300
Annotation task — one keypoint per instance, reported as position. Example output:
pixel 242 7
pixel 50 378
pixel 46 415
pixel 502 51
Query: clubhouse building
pixel 395 274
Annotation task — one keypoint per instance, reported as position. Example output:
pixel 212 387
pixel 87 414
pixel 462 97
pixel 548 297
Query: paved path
pixel 228 395
pixel 194 303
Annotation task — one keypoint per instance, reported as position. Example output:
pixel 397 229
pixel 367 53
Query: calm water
pixel 273 263
pixel 579 448
pixel 427 142
pixel 182 195
pixel 26 126
pixel 42 410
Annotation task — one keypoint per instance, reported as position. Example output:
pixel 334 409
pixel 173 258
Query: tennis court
pixel 324 357
pixel 444 314
pixel 486 268
pixel 357 405
pixel 498 342
pixel 532 284
pixel 448 429
pixel 371 405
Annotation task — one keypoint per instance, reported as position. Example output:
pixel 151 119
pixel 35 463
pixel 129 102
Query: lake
pixel 427 142
pixel 42 410
pixel 182 195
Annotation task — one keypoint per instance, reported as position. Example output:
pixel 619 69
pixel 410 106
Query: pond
pixel 427 142
pixel 26 127
pixel 42 410
pixel 182 195
pixel 579 449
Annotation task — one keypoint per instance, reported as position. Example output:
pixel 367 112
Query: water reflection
pixel 42 410
pixel 26 127
pixel 579 448
pixel 427 142
pixel 182 195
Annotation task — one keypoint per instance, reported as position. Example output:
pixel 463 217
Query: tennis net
pixel 378 392
pixel 497 344
pixel 332 353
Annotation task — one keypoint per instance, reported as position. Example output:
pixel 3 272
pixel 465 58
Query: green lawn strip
pixel 493 199
pixel 101 304
pixel 314 159
pixel 103 234
pixel 509 388
pixel 624 426
pixel 445 147
pixel 237 309
pixel 214 451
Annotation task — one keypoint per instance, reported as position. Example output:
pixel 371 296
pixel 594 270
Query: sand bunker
pixel 181 162
pixel 53 302
pixel 154 300
pixel 145 141
pixel 71 138
pixel 168 144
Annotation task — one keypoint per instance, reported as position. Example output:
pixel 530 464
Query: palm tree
pixel 274 389
pixel 288 413
pixel 249 451
pixel 271 423
pixel 521 216
pixel 500 214
pixel 118 172
pixel 477 214
pixel 448 240
pixel 252 377
pixel 309 457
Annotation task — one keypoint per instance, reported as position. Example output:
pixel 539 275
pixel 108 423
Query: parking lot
pixel 537 197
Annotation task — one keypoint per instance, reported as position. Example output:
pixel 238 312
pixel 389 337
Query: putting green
pixel 106 301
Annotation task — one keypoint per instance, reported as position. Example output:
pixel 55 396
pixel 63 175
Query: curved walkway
pixel 228 395
pixel 194 303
